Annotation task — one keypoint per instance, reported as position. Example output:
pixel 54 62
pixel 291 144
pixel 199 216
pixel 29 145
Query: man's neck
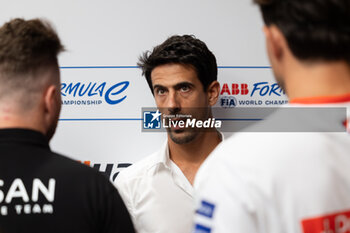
pixel 319 79
pixel 188 157
pixel 10 118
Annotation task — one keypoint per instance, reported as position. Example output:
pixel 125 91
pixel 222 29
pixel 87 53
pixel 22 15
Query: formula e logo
pixel 228 102
pixel 151 119
pixel 93 93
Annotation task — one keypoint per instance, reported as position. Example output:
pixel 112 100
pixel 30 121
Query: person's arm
pixel 114 214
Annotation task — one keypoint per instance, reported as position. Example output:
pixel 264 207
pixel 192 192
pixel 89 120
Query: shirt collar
pixel 164 155
pixel 322 99
pixel 23 136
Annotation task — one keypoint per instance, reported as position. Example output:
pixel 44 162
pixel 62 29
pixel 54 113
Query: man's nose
pixel 173 104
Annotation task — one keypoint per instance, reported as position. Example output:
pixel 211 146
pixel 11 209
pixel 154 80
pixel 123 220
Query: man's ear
pixel 51 103
pixel 213 92
pixel 275 43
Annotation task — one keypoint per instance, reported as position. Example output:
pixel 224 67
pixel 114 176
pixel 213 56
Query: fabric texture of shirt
pixel 41 191
pixel 276 183
pixel 157 194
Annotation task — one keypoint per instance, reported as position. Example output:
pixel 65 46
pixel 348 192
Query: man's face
pixel 177 90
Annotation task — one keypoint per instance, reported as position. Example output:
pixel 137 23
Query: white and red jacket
pixel 277 182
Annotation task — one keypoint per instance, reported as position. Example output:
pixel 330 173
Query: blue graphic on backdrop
pixel 93 93
pixel 228 102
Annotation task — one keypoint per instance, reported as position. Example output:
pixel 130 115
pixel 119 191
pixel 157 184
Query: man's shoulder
pixel 63 160
pixel 273 156
pixel 59 163
pixel 269 144
pixel 81 178
pixel 259 161
pixel 265 152
pixel 140 169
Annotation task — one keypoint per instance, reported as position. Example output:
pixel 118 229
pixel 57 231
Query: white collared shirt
pixel 157 194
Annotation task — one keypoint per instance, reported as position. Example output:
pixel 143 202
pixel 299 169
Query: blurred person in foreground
pixel 289 182
pixel 182 75
pixel 41 191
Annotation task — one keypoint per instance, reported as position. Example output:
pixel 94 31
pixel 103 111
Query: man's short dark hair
pixel 28 49
pixel 186 50
pixel 314 29
pixel 27 45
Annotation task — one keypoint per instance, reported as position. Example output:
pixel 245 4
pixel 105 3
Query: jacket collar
pixel 23 136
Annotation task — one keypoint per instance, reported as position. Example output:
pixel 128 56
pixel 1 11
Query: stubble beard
pixel 190 133
pixel 183 139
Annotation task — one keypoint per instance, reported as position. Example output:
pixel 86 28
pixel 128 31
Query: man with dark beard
pixel 182 74
pixel 41 191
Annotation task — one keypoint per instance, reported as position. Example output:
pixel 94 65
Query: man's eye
pixel 160 92
pixel 185 89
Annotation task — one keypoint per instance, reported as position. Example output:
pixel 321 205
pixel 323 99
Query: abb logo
pixel 334 223
pixel 235 89
pixel 260 89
